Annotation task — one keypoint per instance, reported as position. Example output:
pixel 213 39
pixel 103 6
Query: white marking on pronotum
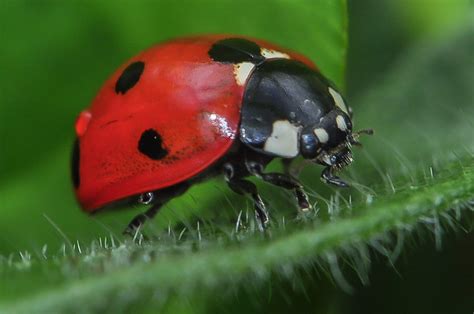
pixel 322 135
pixel 242 72
pixel 338 100
pixel 272 54
pixel 341 123
pixel 284 139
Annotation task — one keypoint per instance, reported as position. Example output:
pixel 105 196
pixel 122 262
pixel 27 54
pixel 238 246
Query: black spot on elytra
pixel 75 164
pixel 235 50
pixel 150 144
pixel 130 76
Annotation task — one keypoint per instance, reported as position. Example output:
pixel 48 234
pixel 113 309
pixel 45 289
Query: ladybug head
pixel 330 142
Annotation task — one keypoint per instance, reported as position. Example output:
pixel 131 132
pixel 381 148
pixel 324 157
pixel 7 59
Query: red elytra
pixel 191 101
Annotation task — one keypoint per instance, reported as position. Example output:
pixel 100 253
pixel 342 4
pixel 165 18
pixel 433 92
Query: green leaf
pixel 215 259
pixel 128 281
pixel 418 170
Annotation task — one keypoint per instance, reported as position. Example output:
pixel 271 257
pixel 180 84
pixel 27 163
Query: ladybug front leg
pixel 328 176
pixel 245 187
pixel 285 181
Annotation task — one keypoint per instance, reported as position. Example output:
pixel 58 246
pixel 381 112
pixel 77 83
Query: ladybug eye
pixel 146 198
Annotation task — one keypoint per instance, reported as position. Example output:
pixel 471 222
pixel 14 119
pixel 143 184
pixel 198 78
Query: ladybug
pixel 196 107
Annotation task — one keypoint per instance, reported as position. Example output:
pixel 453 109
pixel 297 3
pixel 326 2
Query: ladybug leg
pixel 287 168
pixel 245 187
pixel 285 181
pixel 328 176
pixel 140 219
pixel 162 197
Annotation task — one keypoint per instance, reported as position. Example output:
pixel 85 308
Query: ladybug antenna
pixel 365 131
pixel 354 137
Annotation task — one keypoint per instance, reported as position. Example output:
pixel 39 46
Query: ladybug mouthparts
pixel 339 157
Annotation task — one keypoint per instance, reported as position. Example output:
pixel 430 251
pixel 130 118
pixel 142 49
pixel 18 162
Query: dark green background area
pixel 409 75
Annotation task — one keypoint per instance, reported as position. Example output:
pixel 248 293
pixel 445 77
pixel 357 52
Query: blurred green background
pixel 409 75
